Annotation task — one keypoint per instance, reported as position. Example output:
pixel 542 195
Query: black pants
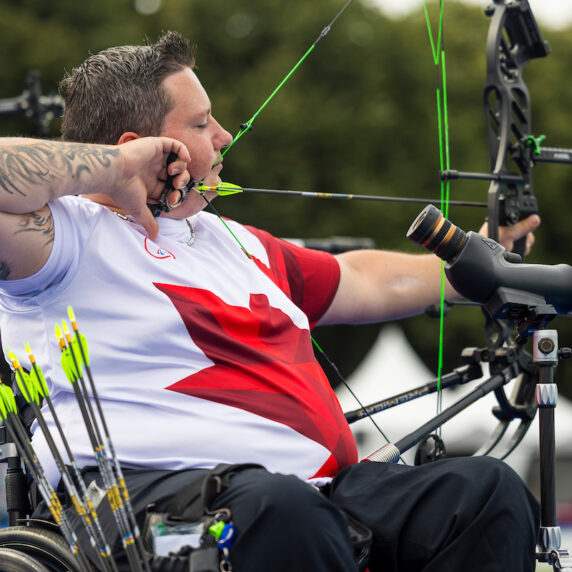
pixel 455 515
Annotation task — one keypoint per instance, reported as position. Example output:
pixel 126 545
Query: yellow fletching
pixel 60 336
pixel 228 189
pixel 222 189
pixel 3 406
pixel 8 398
pixel 68 366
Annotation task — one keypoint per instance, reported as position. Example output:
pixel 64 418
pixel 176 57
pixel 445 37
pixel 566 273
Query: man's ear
pixel 128 136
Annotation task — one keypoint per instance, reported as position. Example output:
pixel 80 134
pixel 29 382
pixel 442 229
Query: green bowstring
pixel 245 127
pixel 438 52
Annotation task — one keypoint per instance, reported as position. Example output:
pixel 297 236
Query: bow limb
pixel 514 39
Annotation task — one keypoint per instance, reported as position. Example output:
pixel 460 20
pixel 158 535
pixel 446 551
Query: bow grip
pixel 514 208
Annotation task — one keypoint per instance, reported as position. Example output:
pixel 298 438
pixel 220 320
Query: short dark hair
pixel 120 89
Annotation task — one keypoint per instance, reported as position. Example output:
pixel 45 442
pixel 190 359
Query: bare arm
pixel 35 172
pixel 378 285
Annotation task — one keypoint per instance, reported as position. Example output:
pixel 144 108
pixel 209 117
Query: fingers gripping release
pixel 164 205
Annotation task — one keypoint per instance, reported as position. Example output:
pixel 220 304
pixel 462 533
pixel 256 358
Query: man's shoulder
pixel 78 212
pixel 77 203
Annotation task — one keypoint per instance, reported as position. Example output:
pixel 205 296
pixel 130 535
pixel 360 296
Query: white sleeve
pixel 73 224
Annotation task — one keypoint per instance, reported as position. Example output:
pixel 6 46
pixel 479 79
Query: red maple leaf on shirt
pixel 264 364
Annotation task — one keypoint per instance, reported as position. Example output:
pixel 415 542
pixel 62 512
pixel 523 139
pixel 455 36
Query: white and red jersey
pixel 200 354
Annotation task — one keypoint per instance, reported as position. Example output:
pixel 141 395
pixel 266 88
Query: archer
pixel 200 337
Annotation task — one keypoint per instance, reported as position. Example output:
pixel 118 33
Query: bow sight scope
pixel 477 266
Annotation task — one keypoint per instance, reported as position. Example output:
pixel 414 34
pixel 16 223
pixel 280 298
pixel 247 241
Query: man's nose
pixel 224 138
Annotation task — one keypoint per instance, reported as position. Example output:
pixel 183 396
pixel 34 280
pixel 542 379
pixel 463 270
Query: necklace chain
pixel 192 231
pixel 188 242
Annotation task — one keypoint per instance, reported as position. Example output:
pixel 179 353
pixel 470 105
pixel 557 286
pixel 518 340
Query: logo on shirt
pixel 160 253
pixel 262 364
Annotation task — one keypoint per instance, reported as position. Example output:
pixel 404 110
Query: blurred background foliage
pixel 359 116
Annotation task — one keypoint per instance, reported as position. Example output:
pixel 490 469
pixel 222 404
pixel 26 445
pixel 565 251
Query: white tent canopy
pixel 392 367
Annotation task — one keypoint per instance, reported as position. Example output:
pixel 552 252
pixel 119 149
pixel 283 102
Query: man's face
pixel 191 122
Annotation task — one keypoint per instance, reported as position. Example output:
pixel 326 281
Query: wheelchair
pixel 28 545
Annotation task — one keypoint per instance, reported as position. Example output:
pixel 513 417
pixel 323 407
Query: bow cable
pixel 439 60
pixel 438 52
pixel 330 363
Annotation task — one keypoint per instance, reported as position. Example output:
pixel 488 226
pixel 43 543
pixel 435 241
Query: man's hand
pixel 508 235
pixel 35 172
pixel 142 175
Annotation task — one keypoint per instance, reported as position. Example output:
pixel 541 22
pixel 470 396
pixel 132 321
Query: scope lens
pixel 439 235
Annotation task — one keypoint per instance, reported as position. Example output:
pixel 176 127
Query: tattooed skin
pixel 23 166
pixel 38 222
pixel 4 270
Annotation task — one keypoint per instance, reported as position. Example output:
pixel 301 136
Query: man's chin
pixel 212 182
pixel 192 206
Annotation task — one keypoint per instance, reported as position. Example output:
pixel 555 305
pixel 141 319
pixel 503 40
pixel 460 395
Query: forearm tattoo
pixel 23 166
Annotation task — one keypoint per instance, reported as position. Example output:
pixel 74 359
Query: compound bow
pixel 514 39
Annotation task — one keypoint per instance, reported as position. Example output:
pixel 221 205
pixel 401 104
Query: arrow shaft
pixel 319 195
